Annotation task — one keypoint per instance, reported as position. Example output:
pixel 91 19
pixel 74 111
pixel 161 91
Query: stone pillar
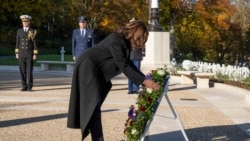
pixel 157 51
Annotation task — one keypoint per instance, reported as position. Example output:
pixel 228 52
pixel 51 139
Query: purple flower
pixel 148 77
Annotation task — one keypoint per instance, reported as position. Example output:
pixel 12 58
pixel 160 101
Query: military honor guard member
pixel 82 38
pixel 26 52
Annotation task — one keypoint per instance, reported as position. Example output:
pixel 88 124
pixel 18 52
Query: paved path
pixel 220 113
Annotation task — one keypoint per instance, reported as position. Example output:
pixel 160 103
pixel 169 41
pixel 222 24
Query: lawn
pixel 12 61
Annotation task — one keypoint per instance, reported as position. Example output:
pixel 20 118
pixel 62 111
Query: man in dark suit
pixel 26 52
pixel 136 56
pixel 82 38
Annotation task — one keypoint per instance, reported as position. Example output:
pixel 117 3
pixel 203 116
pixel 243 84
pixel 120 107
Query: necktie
pixel 25 29
pixel 82 32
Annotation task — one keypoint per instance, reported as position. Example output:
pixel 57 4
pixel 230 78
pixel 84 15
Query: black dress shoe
pixel 29 89
pixel 130 92
pixel 24 89
pixel 135 92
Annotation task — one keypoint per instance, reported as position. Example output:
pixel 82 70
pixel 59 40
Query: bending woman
pixel 93 72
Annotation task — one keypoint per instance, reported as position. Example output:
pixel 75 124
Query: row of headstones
pixel 235 73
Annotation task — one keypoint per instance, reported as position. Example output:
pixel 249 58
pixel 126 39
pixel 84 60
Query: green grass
pixel 12 61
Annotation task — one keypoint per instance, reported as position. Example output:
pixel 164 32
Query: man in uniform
pixel 82 38
pixel 26 52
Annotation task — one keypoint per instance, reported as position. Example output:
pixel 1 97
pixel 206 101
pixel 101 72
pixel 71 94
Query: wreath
pixel 146 105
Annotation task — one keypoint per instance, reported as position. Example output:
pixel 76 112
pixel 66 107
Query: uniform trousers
pixel 26 71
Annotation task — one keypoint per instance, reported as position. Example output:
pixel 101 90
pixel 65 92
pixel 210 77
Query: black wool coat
pixel 92 74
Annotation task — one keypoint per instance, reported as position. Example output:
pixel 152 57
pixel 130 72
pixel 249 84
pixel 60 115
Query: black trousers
pixel 95 124
pixel 26 71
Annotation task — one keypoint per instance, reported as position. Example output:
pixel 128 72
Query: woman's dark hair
pixel 136 32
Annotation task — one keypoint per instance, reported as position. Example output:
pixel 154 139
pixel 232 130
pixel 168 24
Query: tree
pixel 203 29
pixel 242 18
pixel 54 19
pixel 247 43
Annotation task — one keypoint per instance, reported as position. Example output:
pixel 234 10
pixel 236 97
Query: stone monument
pixel 158 44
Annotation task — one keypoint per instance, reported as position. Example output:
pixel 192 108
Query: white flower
pixel 149 90
pixel 161 72
pixel 134 131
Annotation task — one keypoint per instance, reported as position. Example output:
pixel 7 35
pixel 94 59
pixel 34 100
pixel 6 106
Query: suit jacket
pixel 25 47
pixel 81 43
pixel 92 74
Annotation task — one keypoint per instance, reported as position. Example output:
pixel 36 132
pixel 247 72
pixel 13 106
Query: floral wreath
pixel 146 105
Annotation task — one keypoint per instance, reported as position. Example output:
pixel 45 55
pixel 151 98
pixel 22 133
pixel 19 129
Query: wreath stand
pixel 164 93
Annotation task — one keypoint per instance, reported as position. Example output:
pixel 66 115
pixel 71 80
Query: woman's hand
pixel 151 84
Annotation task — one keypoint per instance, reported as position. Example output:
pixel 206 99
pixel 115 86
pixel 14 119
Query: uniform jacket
pixel 81 43
pixel 92 74
pixel 25 46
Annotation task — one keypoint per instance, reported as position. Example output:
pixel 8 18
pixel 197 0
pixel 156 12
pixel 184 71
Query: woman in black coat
pixel 92 74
